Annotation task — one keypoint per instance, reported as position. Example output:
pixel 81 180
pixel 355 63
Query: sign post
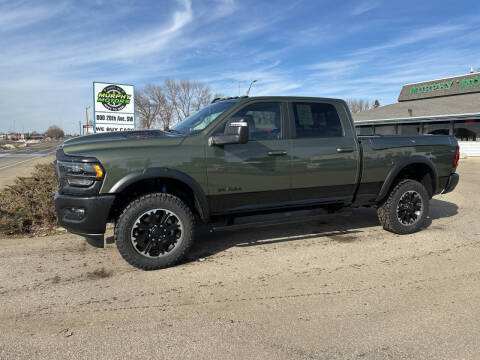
pixel 114 107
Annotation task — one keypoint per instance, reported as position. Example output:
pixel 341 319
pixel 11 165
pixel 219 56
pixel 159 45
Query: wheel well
pixel 419 172
pixel 147 186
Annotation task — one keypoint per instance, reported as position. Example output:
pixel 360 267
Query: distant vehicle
pixel 243 156
pixel 35 137
pixel 14 136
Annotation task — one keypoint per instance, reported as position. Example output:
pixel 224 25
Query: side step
pixel 246 222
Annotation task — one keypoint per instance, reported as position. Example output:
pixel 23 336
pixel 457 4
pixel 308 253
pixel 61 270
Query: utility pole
pixel 86 117
pixel 253 82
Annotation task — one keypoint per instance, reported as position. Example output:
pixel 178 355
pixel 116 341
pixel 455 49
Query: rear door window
pixel 316 120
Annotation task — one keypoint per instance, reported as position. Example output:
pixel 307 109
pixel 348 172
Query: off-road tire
pixel 387 211
pixel 123 230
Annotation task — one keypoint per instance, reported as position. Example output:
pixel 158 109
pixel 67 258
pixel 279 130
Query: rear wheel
pixel 405 209
pixel 155 231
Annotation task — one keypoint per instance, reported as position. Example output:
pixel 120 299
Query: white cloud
pixel 363 7
pixel 412 37
pixel 15 16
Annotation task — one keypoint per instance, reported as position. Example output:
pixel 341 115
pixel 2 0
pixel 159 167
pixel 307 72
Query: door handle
pixel 344 150
pixel 276 153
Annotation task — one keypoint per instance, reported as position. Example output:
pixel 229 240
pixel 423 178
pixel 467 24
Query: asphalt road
pixel 20 161
pixel 345 289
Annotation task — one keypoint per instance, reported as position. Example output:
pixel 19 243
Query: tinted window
pixel 264 120
pixel 365 130
pixel 467 130
pixel 440 128
pixel 408 129
pixel 316 120
pixel 385 130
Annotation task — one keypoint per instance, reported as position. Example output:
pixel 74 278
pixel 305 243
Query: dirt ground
pixel 339 290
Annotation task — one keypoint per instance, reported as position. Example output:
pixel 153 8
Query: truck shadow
pixel 334 228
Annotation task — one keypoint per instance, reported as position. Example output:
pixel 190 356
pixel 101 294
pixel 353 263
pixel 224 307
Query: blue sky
pixel 52 51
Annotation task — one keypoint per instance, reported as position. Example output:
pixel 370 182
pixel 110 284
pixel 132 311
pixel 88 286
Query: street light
pixel 86 116
pixel 248 91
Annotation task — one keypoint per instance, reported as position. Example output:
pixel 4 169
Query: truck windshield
pixel 202 118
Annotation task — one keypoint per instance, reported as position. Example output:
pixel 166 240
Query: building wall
pixel 469 148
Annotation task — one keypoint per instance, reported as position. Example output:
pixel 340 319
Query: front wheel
pixel 155 231
pixel 406 208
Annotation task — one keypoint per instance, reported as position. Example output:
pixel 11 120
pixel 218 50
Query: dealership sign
pixel 456 85
pixel 114 107
pixel 431 87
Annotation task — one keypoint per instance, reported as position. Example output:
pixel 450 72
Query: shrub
pixel 27 205
pixel 54 132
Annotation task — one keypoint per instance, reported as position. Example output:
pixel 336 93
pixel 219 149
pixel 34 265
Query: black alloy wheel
pixel 410 207
pixel 156 232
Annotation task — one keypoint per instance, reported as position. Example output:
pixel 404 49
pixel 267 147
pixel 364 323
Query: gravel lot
pixel 340 290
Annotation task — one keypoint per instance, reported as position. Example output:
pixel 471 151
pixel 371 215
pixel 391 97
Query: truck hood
pixel 119 139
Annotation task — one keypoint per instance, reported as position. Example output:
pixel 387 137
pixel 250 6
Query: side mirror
pixel 236 132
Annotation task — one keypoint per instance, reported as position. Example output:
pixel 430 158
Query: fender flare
pixel 166 173
pixel 393 173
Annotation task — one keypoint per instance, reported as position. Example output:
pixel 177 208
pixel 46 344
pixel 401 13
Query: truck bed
pixel 381 154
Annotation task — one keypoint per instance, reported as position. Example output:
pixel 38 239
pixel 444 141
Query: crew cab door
pixel 325 156
pixel 254 175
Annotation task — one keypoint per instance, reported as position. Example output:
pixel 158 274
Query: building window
pixel 365 130
pixel 385 130
pixel 467 130
pixel 436 128
pixel 409 129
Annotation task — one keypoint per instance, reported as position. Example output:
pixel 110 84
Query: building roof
pixel 430 107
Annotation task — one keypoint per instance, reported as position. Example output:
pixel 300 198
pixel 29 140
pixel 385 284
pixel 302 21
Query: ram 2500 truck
pixel 243 156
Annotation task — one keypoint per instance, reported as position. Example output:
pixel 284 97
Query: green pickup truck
pixel 239 157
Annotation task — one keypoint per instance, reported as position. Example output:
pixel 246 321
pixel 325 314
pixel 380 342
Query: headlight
pixel 80 174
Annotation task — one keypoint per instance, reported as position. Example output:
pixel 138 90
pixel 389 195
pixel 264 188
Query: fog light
pixel 74 213
pixel 79 182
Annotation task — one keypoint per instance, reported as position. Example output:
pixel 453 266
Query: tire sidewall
pixel 133 212
pixel 397 225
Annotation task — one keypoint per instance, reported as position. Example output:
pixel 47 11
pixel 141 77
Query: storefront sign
pixel 431 87
pixel 114 107
pixel 453 86
pixel 473 82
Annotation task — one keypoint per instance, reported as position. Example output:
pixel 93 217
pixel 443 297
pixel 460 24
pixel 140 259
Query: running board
pixel 287 218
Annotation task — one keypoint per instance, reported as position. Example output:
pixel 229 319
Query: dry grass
pixel 27 205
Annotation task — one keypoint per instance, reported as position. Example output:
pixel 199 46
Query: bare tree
pixel 145 107
pixel 186 96
pixel 164 105
pixel 54 132
pixel 376 104
pixel 165 108
pixel 358 105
